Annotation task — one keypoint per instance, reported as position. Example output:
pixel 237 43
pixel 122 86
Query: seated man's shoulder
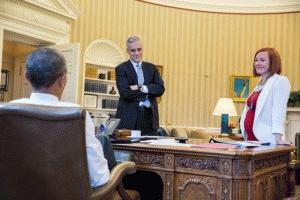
pixel 59 104
pixel 23 100
pixel 68 104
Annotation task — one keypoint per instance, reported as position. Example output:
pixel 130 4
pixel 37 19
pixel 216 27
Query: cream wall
pixel 12 51
pixel 199 50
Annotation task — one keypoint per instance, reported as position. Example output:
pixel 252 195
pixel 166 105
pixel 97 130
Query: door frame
pixel 37 23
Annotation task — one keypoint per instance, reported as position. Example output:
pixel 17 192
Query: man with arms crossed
pixel 139 83
pixel 46 70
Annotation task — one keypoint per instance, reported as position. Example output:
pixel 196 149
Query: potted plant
pixel 294 99
pixel 231 126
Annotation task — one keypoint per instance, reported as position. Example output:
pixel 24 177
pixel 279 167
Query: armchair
pixel 43 156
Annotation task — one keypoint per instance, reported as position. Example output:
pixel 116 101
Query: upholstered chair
pixel 43 156
pixel 178 132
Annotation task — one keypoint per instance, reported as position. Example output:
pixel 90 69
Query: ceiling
pixel 16 49
pixel 234 6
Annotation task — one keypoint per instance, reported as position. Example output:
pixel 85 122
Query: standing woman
pixel 265 110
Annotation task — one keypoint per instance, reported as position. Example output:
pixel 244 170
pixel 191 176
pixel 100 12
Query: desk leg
pixel 226 189
pixel 168 182
pixel 168 186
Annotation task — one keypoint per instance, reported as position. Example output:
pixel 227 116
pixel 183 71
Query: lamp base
pixel 224 123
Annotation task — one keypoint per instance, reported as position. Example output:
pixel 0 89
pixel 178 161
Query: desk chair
pixel 43 155
pixel 293 166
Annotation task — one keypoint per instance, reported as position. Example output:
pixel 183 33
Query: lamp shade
pixel 225 106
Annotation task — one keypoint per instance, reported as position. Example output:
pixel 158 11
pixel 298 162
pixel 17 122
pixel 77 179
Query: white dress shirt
pixel 97 164
pixel 145 88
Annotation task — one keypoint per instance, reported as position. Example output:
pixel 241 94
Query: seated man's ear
pixel 62 80
pixel 26 75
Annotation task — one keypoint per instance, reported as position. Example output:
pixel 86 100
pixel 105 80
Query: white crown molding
pixel 47 20
pixel 32 16
pixel 233 6
pixel 60 7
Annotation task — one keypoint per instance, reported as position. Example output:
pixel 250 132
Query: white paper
pixel 246 144
pixel 145 136
pixel 166 142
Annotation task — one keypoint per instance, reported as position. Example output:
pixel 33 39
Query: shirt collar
pixel 44 97
pixel 134 63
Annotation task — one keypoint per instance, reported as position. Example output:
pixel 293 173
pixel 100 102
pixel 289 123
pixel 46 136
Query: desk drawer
pixel 196 187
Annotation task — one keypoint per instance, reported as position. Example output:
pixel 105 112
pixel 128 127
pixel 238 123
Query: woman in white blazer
pixel 265 111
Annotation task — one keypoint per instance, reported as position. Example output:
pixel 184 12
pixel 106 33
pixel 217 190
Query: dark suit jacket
pixel 129 99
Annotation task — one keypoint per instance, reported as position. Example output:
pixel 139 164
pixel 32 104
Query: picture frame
pixel 240 87
pixel 112 125
pixel 4 80
pixel 90 101
pixel 1 96
pixel 160 70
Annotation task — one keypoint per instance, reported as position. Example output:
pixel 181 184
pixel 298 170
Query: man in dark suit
pixel 139 83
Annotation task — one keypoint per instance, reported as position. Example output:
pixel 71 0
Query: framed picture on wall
pixel 90 101
pixel 240 87
pixel 1 96
pixel 4 80
pixel 160 70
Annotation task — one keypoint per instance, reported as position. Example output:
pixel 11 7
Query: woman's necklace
pixel 261 84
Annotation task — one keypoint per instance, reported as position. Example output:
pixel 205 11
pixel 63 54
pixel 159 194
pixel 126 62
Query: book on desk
pixel 215 146
pixel 227 143
pixel 246 144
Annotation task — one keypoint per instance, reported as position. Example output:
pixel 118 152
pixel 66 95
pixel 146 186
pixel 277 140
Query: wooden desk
pixel 194 173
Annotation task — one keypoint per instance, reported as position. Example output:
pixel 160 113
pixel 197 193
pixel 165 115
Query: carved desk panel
pixel 194 173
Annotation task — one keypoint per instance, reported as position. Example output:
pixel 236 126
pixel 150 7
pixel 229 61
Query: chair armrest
pixel 292 166
pixel 116 176
pixel 295 164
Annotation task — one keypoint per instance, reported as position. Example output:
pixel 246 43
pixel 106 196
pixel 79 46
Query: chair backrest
pixel 178 132
pixel 43 153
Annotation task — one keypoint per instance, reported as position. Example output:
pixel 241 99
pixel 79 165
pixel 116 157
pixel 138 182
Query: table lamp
pixel 225 108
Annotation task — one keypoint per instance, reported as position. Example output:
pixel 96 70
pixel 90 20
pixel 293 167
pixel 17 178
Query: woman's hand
pixel 280 140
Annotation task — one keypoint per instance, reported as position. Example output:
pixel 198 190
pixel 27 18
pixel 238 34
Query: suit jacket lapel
pixel 263 95
pixel 145 72
pixel 132 72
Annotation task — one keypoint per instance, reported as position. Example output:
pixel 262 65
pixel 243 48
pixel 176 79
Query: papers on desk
pixel 246 144
pixel 145 137
pixel 167 142
pixel 242 144
pixel 215 146
pixel 228 145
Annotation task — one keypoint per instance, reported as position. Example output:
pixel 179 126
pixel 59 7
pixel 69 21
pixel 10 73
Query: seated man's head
pixel 46 71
